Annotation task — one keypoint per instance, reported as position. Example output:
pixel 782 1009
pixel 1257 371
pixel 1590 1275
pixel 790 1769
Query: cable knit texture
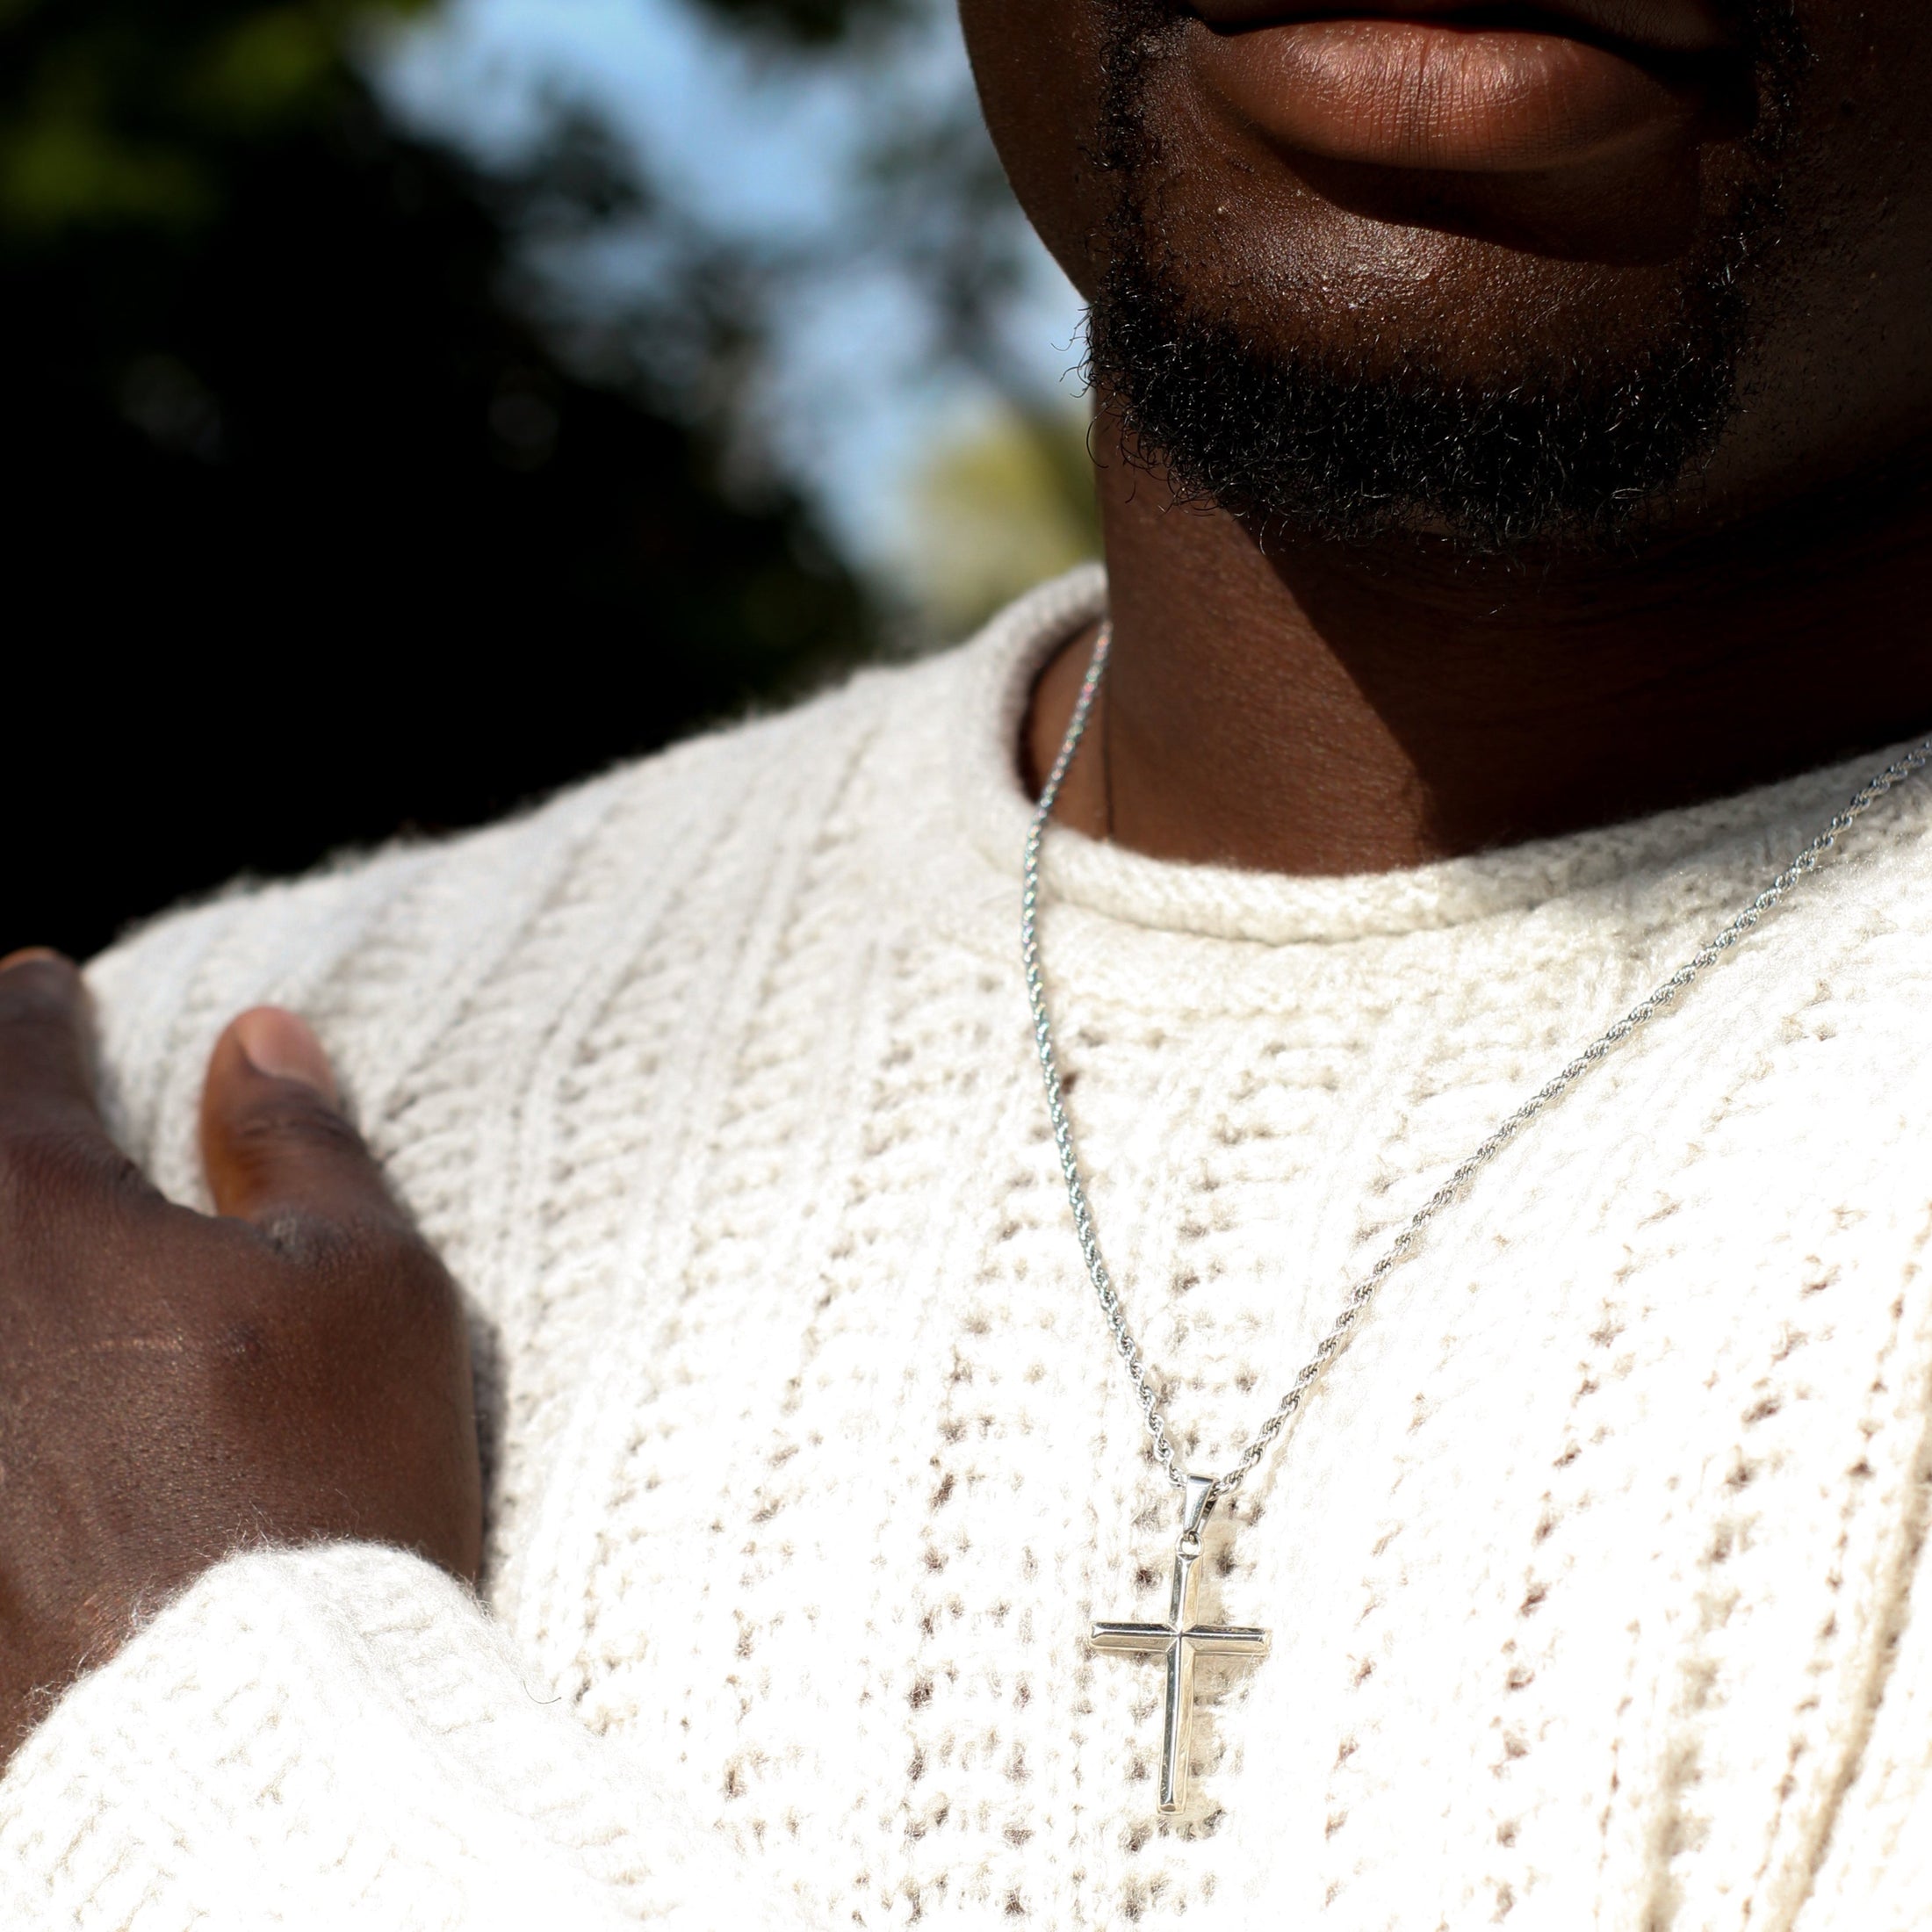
pixel 1590 1568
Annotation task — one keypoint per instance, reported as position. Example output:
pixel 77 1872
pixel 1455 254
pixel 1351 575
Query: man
pixel 1510 432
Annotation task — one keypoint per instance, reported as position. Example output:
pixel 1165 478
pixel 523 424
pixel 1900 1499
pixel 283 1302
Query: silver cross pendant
pixel 1181 1640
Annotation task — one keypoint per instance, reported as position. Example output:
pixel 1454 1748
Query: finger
pixel 47 1049
pixel 273 1137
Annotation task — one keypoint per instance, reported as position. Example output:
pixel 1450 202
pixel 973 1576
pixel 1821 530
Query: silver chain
pixel 1356 1303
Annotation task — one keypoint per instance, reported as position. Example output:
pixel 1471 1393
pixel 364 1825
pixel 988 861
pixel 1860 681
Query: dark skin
pixel 173 1386
pixel 1308 708
pixel 1302 710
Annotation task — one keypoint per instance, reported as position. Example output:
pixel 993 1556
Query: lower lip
pixel 1422 95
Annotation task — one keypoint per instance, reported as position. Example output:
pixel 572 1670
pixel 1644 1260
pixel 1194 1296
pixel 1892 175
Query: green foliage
pixel 266 67
pixel 112 111
pixel 808 23
pixel 314 530
pixel 1004 506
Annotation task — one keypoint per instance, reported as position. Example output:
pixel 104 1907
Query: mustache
pixel 1777 57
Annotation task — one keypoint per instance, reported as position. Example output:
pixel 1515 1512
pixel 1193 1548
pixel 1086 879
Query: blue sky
pixel 763 147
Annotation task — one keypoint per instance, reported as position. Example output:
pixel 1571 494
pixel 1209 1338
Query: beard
pixel 1331 436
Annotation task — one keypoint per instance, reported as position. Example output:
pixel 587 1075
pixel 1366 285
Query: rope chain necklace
pixel 1180 1639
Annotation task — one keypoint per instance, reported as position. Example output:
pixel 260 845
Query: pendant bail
pixel 1197 1504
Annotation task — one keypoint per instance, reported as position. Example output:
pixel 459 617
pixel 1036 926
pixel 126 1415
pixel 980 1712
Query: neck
pixel 1317 707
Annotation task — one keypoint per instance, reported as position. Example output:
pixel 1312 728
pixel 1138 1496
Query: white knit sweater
pixel 1590 1569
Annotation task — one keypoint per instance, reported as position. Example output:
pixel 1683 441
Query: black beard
pixel 1326 443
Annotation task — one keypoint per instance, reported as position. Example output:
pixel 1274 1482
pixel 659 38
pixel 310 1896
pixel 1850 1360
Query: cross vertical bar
pixel 1178 1733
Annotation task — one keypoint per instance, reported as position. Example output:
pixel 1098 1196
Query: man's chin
pixel 1575 448
pixel 1349 351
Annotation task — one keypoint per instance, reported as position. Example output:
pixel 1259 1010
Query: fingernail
pixel 28 954
pixel 280 1045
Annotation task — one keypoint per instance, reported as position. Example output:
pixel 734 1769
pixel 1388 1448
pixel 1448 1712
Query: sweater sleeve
pixel 339 1737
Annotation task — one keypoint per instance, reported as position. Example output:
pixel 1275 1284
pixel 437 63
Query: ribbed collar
pixel 997 674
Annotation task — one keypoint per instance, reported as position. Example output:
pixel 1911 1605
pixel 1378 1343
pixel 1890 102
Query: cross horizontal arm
pixel 1134 1637
pixel 1237 1641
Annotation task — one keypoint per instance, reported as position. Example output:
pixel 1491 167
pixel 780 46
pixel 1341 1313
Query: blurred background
pixel 411 405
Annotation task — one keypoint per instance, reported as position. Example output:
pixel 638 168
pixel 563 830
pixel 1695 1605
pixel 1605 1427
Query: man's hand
pixel 174 1387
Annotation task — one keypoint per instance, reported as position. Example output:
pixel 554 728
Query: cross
pixel 1181 1640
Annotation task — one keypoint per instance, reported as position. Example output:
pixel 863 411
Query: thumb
pixel 273 1136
